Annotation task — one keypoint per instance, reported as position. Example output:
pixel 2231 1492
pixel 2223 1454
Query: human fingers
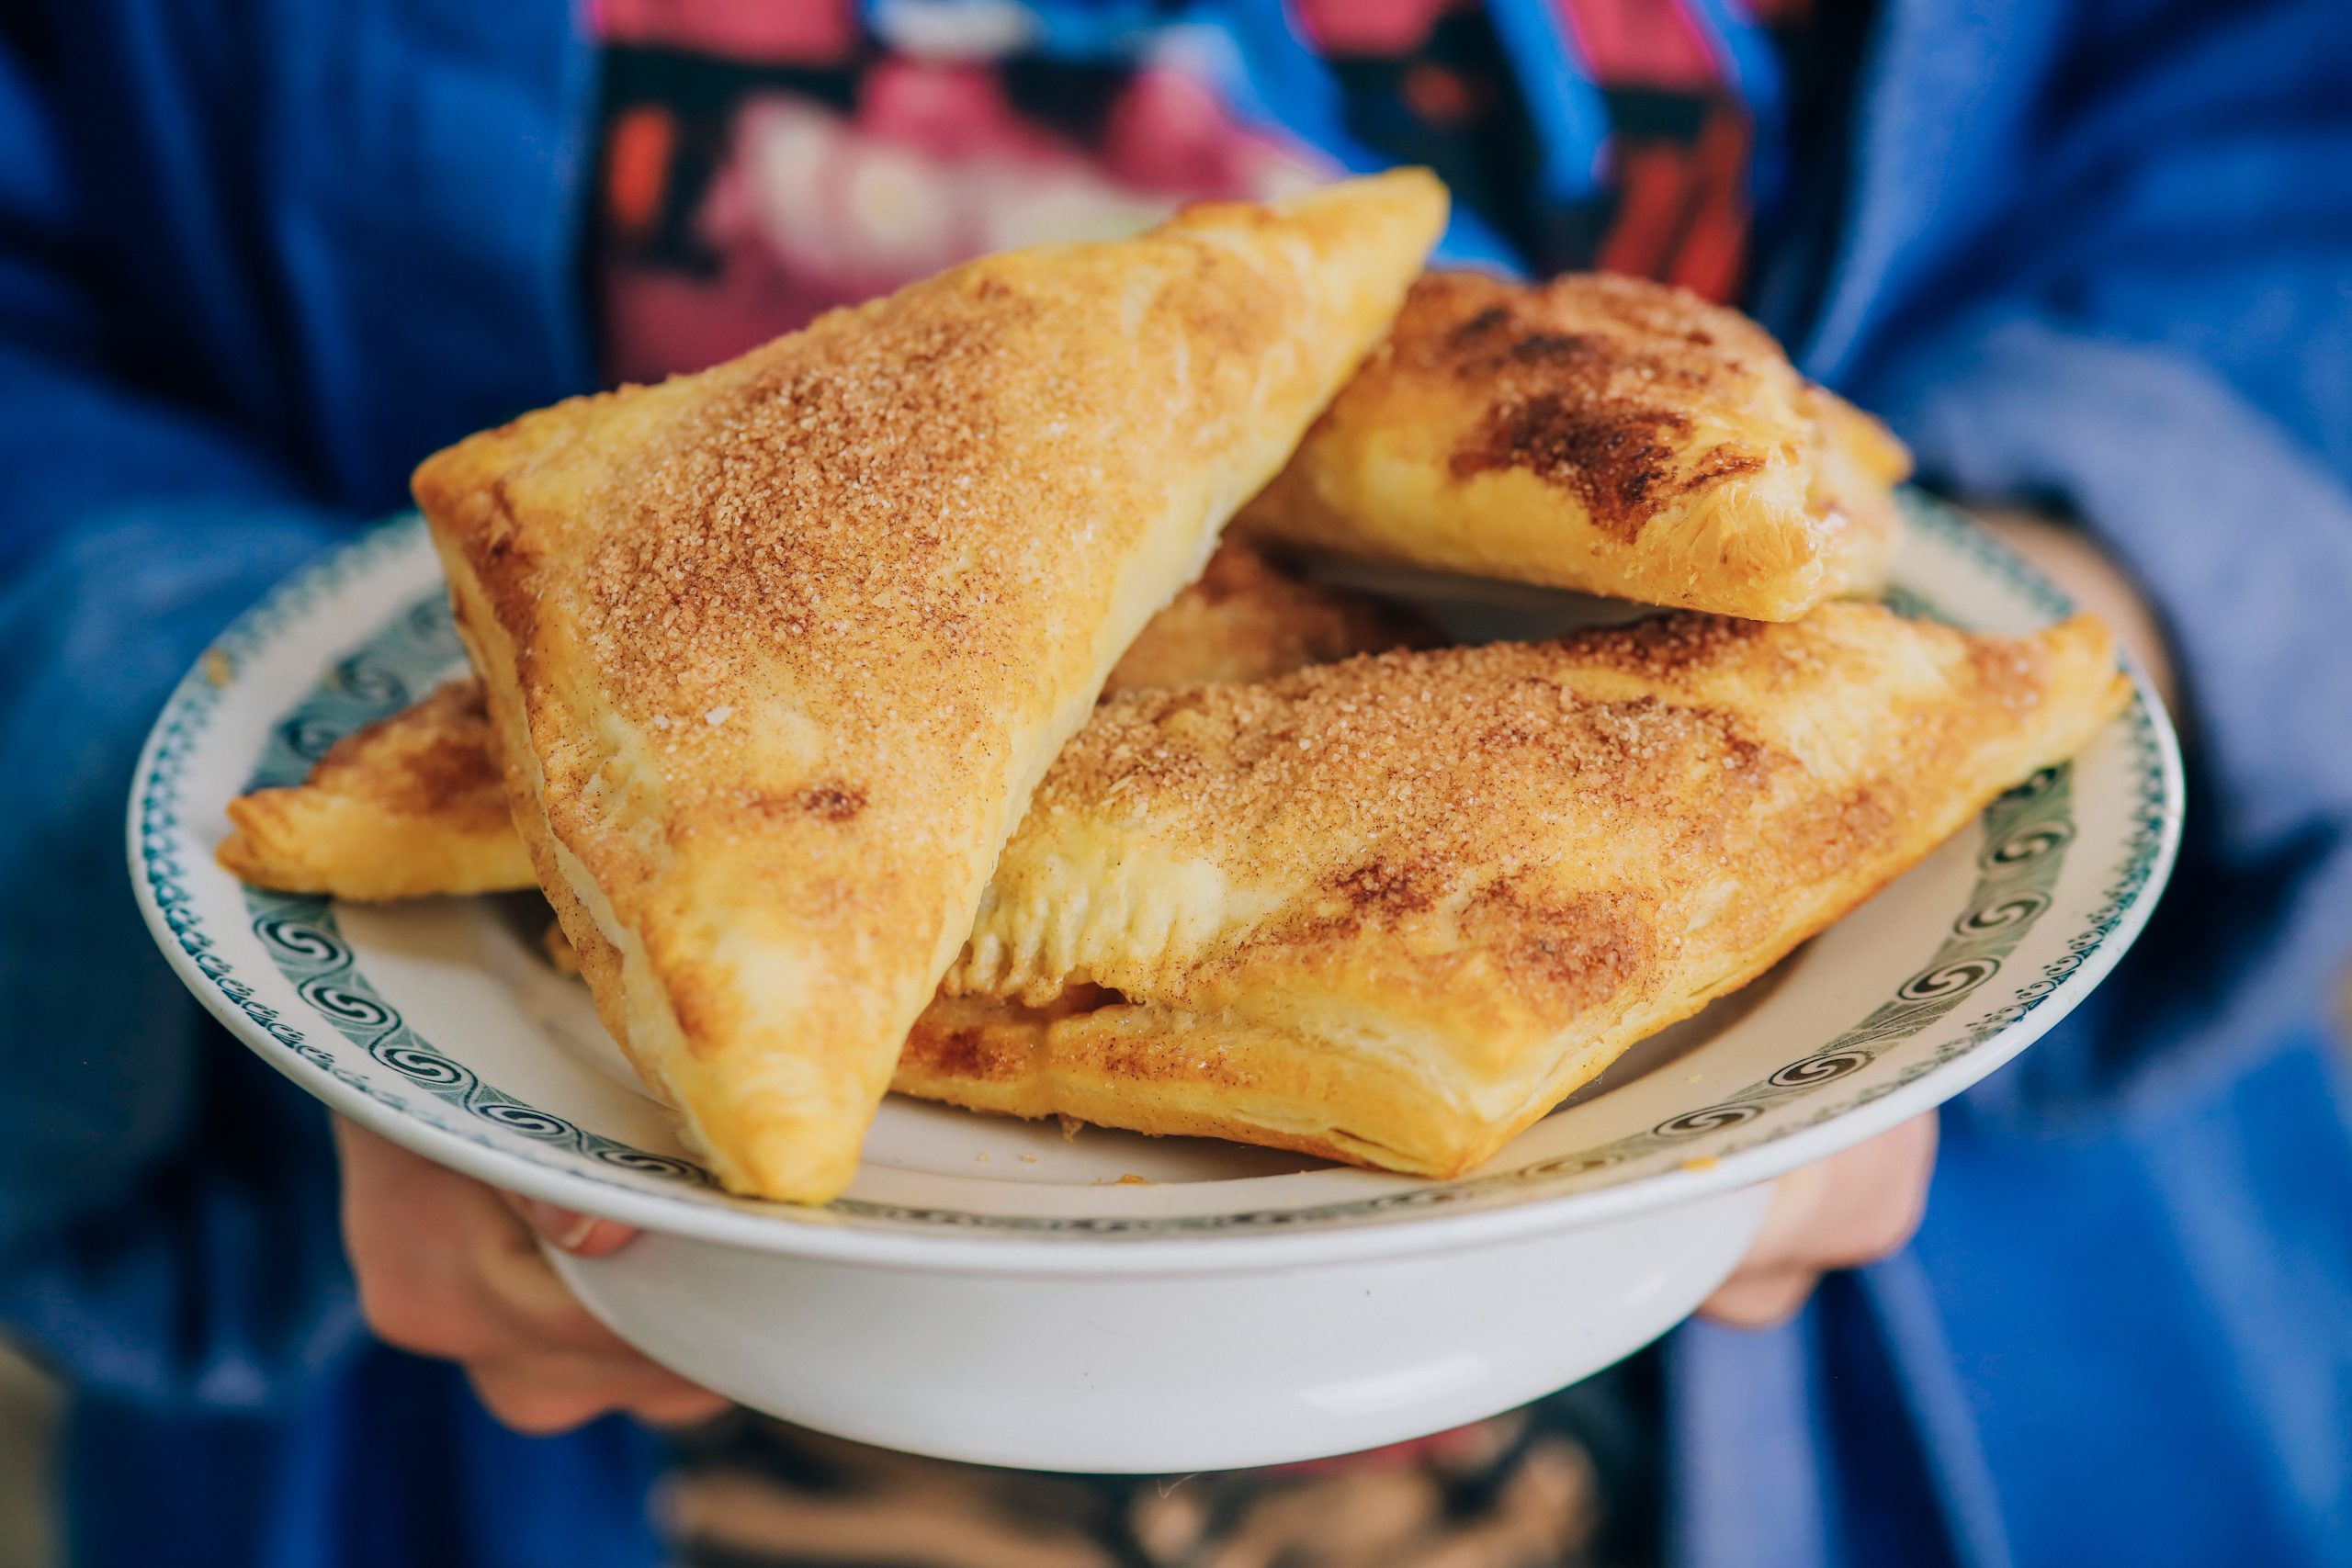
pixel 1851 1209
pixel 556 1392
pixel 444 1268
pixel 585 1235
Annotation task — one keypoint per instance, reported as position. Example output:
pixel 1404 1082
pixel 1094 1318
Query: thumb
pixel 583 1235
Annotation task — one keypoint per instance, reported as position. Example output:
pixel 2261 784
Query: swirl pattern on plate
pixel 2027 834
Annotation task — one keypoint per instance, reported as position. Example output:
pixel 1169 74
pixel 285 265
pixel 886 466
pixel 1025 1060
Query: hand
pixel 1840 1213
pixel 1862 1205
pixel 448 1268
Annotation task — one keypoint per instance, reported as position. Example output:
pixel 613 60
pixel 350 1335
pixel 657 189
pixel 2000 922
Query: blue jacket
pixel 256 259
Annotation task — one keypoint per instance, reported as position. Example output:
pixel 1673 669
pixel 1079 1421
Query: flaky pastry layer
pixel 1395 910
pixel 414 805
pixel 409 807
pixel 1597 433
pixel 1080 1050
pixel 775 652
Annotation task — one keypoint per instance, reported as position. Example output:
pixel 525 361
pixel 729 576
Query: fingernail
pixel 566 1228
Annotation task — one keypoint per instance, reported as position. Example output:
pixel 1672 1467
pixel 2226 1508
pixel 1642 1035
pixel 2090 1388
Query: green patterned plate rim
pixel 281 973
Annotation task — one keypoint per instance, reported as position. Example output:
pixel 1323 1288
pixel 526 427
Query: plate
pixel 996 1290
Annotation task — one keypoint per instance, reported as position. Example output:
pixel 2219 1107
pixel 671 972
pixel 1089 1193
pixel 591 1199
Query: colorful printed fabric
pixel 767 161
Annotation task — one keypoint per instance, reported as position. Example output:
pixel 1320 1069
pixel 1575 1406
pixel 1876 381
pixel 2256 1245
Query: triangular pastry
pixel 1251 617
pixel 409 807
pixel 777 652
pixel 1393 910
pixel 413 806
pixel 1597 432
pixel 1085 1052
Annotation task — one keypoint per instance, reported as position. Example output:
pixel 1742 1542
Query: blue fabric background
pixel 257 258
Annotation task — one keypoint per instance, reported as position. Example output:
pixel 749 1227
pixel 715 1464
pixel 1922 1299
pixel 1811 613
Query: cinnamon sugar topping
pixel 1591 380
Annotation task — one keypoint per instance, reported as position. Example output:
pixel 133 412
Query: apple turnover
pixel 777 652
pixel 1393 910
pixel 1597 432
pixel 408 806
pixel 414 806
pixel 1390 912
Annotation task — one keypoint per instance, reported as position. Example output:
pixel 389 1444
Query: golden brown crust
pixel 1249 618
pixel 408 806
pixel 413 805
pixel 775 652
pixel 1093 1054
pixel 1857 466
pixel 1398 908
pixel 1597 432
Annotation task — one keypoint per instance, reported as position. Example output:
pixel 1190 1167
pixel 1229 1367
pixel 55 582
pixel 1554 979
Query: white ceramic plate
pixel 990 1290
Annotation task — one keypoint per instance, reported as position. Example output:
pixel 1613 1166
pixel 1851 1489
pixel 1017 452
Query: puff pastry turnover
pixel 1597 432
pixel 777 652
pixel 1393 910
pixel 414 806
pixel 409 807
